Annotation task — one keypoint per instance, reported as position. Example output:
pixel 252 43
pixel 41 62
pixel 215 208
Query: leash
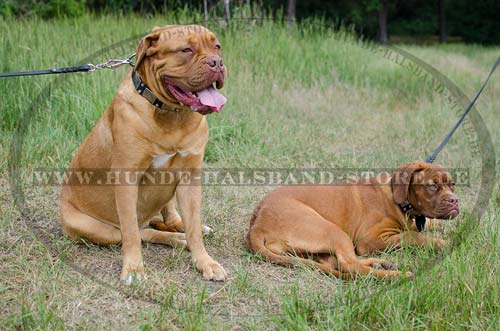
pixel 114 63
pixel 446 139
pixel 407 207
pixel 110 64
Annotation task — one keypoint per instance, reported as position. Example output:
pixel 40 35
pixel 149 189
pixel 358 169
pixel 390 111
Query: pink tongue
pixel 210 97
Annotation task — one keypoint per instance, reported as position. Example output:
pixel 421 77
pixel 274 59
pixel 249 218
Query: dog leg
pixel 415 239
pixel 379 264
pixel 189 198
pixel 170 220
pixel 79 225
pixel 309 233
pixel 126 202
pixel 173 239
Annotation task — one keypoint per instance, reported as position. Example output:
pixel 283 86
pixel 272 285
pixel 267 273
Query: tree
pixel 205 9
pixel 441 18
pixel 383 9
pixel 291 10
pixel 226 10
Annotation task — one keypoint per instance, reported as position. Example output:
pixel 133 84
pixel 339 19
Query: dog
pixel 326 226
pixel 154 123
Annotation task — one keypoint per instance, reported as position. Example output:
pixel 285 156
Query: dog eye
pixel 188 50
pixel 217 47
pixel 432 187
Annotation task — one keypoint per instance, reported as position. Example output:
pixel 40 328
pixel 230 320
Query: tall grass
pixel 301 96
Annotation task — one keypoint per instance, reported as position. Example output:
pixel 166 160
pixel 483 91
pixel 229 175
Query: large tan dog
pixel 326 226
pixel 155 122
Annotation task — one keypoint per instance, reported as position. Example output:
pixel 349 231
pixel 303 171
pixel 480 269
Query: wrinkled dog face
pixel 182 64
pixel 429 188
pixel 433 190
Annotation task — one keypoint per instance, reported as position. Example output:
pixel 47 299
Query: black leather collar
pixel 146 92
pixel 408 209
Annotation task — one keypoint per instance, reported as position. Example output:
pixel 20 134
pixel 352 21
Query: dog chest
pixel 160 160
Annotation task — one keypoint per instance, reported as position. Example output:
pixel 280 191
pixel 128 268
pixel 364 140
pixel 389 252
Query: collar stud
pixel 146 92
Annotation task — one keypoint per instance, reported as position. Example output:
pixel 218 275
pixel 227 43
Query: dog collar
pixel 146 92
pixel 407 208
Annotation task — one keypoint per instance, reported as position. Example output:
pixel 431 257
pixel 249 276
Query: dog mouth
pixel 204 101
pixel 453 213
pixel 450 214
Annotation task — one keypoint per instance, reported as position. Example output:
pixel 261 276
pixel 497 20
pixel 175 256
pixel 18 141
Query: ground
pixel 299 98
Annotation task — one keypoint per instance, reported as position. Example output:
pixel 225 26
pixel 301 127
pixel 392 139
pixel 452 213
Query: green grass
pixel 298 97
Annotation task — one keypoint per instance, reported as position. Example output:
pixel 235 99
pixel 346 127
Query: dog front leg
pixel 414 239
pixel 126 205
pixel 189 200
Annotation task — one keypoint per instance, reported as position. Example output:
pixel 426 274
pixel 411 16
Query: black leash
pixel 83 68
pixel 433 156
pixel 110 64
pixel 407 207
pixel 420 219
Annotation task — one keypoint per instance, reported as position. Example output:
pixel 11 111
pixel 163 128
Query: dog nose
pixel 215 62
pixel 452 200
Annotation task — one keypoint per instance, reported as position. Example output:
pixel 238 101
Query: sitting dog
pixel 326 226
pixel 155 122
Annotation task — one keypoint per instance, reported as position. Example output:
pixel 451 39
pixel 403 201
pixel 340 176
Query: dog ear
pixel 147 46
pixel 401 179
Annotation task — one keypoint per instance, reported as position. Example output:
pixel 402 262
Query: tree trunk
pixel 250 4
pixel 275 7
pixel 290 11
pixel 442 26
pixel 382 22
pixel 226 10
pixel 205 9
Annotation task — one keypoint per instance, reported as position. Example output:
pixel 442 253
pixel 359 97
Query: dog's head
pixel 181 63
pixel 427 187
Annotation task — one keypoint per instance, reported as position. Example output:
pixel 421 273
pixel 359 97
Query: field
pixel 303 97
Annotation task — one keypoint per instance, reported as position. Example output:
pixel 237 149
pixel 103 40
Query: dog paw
pixel 177 240
pixel 205 229
pixel 133 278
pixel 132 272
pixel 389 265
pixel 385 265
pixel 211 270
pixel 439 244
pixel 180 244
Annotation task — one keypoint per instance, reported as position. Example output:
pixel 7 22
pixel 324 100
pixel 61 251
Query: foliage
pixel 305 97
pixel 42 8
pixel 476 22
pixel 406 18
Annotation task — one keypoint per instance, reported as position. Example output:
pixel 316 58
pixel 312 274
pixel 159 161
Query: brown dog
pixel 331 224
pixel 155 122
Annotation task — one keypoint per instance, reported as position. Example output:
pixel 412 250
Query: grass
pixel 301 97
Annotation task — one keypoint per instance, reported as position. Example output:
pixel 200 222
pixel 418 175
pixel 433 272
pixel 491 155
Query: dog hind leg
pixel 79 225
pixel 174 239
pixel 309 233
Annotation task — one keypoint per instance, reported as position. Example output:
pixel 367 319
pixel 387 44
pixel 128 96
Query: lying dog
pixel 155 122
pixel 334 223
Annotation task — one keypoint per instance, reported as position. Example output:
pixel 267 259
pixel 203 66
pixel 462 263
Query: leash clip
pixel 112 64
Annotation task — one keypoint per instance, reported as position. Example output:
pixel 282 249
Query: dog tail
pixel 251 231
pixel 256 242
